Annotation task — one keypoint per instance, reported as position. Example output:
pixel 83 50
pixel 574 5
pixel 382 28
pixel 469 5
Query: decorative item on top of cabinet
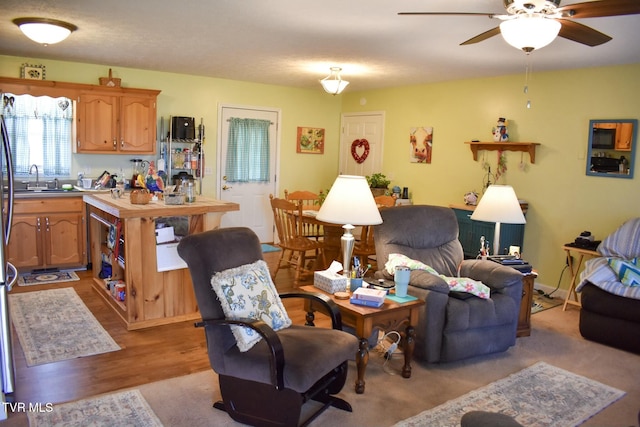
pixel 183 151
pixel 117 121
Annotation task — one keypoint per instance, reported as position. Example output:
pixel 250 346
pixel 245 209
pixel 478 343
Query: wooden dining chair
pixel 288 219
pixel 385 201
pixel 365 247
pixel 308 201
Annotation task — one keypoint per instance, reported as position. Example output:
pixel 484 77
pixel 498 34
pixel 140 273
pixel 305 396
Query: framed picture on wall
pixel 421 141
pixel 310 140
pixel 32 72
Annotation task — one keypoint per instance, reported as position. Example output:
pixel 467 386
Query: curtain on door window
pixel 248 150
pixel 39 129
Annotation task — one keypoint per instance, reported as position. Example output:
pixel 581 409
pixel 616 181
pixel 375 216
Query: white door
pixel 253 197
pixel 362 135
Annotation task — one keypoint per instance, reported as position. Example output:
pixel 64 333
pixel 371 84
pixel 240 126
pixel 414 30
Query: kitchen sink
pixel 43 190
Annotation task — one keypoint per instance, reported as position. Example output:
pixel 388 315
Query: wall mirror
pixel 612 145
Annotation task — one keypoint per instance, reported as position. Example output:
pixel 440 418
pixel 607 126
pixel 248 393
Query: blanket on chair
pixel 619 251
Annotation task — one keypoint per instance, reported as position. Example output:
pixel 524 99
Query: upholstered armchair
pixel 452 325
pixel 266 376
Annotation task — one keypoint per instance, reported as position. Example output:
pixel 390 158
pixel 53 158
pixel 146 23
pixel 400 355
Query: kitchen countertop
pixel 123 208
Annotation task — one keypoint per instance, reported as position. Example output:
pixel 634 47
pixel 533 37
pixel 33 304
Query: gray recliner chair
pixel 452 325
pixel 268 384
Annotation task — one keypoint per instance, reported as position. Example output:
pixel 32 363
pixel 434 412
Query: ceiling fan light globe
pixel 530 32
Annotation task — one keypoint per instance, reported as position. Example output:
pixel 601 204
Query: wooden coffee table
pixel 391 316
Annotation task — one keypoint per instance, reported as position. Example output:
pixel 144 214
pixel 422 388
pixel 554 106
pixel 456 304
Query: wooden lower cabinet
pixel 524 318
pixel 48 233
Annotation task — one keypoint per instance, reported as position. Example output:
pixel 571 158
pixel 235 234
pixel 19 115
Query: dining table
pixel 331 236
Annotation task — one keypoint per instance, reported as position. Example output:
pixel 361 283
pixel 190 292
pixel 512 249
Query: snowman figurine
pixel 500 131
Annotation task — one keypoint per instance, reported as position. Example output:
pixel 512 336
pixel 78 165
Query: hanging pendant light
pixel 530 31
pixel 333 83
pixel 45 31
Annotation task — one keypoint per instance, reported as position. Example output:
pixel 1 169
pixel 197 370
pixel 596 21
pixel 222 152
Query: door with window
pixel 252 196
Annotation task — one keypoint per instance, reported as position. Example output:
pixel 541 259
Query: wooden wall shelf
pixel 527 147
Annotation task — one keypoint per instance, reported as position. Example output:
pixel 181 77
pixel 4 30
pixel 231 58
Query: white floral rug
pixel 55 325
pixel 538 396
pixel 123 409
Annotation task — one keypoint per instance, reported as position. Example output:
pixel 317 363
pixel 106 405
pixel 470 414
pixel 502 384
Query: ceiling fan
pixel 532 24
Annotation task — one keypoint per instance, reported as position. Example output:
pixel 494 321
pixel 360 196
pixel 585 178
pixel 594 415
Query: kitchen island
pixel 141 286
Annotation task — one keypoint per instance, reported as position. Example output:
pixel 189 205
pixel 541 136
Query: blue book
pixel 366 302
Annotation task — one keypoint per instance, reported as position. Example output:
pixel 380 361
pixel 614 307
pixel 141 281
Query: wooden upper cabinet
pixel 118 123
pixel 137 124
pixel 97 123
pixel 624 136
pixel 109 120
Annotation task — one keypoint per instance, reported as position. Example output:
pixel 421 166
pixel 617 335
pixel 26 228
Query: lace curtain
pixel 49 120
pixel 248 150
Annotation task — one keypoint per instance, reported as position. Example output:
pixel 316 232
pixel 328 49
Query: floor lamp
pixel 499 204
pixel 349 202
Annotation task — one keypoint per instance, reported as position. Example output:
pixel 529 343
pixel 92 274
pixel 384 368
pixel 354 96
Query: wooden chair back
pixel 385 201
pixel 284 216
pixel 307 199
pixel 289 225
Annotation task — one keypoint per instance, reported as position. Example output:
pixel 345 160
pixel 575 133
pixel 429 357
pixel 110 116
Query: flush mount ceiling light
pixel 333 84
pixel 530 31
pixel 45 31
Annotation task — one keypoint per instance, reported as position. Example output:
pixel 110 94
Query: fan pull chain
pixel 527 77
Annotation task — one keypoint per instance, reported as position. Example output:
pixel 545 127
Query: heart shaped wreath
pixel 355 145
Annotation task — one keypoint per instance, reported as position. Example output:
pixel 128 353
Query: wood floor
pixel 147 355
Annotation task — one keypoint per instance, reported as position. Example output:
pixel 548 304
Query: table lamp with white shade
pixel 349 202
pixel 499 204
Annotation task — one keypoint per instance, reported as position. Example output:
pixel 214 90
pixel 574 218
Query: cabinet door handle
pixel 46 221
pixel 122 143
pixel 38 224
pixel 115 144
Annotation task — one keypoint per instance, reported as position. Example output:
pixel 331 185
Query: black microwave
pixel 603 138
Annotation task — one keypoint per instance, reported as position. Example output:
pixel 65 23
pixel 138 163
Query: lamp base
pixel 347 241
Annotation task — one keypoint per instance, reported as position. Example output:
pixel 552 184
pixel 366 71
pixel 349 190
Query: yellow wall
pixel 199 97
pixel 563 201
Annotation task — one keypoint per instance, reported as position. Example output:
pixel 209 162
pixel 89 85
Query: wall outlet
pixel 208 171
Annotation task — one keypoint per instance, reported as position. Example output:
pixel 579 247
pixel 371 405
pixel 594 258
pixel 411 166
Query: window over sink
pixel 40 130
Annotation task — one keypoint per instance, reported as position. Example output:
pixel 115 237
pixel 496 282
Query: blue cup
pixel 401 278
pixel 355 284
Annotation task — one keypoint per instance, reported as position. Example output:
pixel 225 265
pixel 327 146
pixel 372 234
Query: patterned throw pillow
pixel 248 292
pixel 628 272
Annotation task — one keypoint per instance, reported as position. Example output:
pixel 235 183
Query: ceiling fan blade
pixel 596 9
pixel 490 15
pixel 482 37
pixel 577 32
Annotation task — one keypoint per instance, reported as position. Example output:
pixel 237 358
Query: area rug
pixel 540 395
pixel 541 303
pixel 46 278
pixel 123 409
pixel 55 325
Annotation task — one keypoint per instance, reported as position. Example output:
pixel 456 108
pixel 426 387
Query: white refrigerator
pixel 8 273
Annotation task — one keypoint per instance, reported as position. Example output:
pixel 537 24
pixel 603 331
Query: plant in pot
pixel 379 183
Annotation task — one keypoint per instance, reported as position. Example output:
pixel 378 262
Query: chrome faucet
pixel 37 174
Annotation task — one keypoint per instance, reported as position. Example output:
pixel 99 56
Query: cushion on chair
pixel 307 351
pixel 248 292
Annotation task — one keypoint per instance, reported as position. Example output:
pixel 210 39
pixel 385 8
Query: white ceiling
pixel 294 42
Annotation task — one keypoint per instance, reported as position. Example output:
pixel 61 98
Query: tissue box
pixel 329 282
